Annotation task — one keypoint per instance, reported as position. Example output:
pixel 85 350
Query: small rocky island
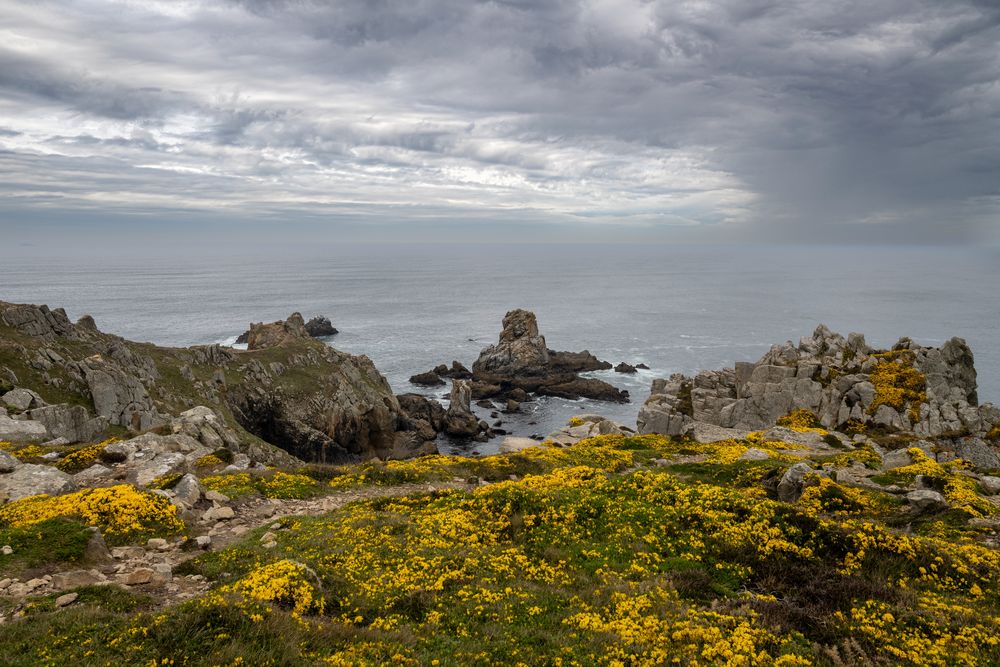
pixel 521 364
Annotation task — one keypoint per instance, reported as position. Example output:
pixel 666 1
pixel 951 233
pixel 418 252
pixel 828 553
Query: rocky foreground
pixel 830 505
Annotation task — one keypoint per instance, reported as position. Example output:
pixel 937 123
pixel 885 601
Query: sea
pixel 677 309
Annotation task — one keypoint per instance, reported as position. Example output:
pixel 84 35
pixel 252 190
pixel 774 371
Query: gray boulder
pixel 119 396
pixel 95 475
pixel 978 452
pixel 926 500
pixel 71 422
pixel 512 445
pixel 18 430
pixel 188 490
pixel 704 432
pixel 22 399
pixel 32 480
pixel 8 463
pixel 790 486
pixel 458 419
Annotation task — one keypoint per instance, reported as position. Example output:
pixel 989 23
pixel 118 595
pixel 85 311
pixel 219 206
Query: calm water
pixel 409 309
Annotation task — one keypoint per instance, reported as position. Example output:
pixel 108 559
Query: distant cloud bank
pixel 721 119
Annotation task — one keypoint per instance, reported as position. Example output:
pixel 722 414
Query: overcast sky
pixel 728 120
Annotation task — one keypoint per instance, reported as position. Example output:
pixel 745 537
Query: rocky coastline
pixel 171 467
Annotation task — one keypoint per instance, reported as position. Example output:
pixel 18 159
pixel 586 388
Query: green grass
pixel 56 541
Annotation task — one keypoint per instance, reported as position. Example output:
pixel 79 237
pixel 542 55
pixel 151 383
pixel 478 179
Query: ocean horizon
pixel 677 309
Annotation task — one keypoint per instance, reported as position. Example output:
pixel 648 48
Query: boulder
pixel 118 395
pixel 18 430
pixel 22 399
pixel 95 475
pixel 459 420
pixel 428 379
pixel 32 480
pixel 704 432
pixel 320 326
pixel 511 445
pixel 790 486
pixel 188 490
pixel 8 463
pixel 625 368
pixel 990 484
pixel 926 500
pixel 71 422
pixel 978 452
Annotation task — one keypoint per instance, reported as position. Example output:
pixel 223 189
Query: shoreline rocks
pixel 270 334
pixel 924 390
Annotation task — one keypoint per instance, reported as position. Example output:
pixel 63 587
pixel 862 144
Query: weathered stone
pixel 95 475
pixel 978 452
pixel 704 432
pixel 8 463
pixel 22 399
pixel 137 577
pixel 19 430
pixel 790 486
pixel 510 444
pixel 754 454
pixel 990 484
pixel 459 420
pixel 221 513
pixel 926 500
pixel 66 600
pixel 75 579
pixel 32 480
pixel 71 422
pixel 188 490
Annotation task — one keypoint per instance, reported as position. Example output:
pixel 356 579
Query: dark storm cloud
pixel 745 119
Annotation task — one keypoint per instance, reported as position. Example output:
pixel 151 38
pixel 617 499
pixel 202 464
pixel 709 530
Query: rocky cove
pixel 183 474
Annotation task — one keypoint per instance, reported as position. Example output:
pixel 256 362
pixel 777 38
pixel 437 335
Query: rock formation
pixel 271 334
pixel 287 395
pixel 521 360
pixel 459 420
pixel 925 390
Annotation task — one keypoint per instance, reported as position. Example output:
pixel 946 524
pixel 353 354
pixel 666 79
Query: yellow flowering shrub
pixel 123 513
pixel 285 583
pixel 828 497
pixel 801 420
pixel 84 457
pixel 863 454
pixel 209 461
pixel 898 384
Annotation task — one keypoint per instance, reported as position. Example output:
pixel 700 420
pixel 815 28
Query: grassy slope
pixel 589 558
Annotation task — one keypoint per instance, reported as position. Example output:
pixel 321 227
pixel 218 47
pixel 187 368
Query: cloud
pixel 761 119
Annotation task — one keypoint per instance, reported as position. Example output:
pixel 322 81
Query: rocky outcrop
pixel 288 396
pixel 31 480
pixel 320 327
pixel 459 420
pixel 73 423
pixel 437 375
pixel 521 360
pixel 926 390
pixel 262 336
pixel 269 335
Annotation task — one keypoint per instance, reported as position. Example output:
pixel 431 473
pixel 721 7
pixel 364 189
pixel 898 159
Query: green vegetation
pixel 588 557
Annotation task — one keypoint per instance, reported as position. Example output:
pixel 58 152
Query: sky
pixel 876 121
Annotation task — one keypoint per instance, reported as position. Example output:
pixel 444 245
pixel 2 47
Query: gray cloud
pixel 762 119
